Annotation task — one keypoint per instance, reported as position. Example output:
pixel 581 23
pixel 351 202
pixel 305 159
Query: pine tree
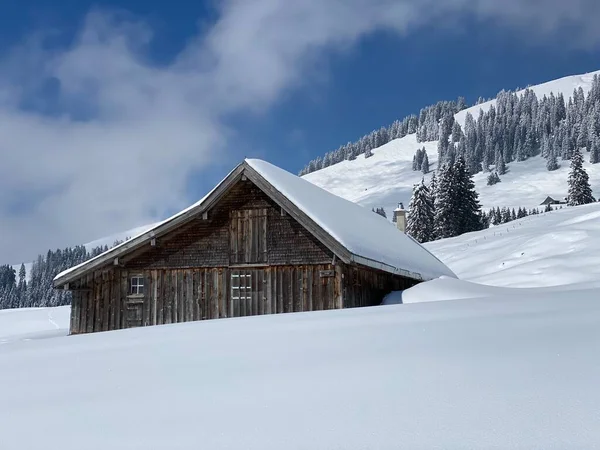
pixel 457 208
pixel 551 162
pixel 492 179
pixel 468 201
pixel 433 185
pixel 513 215
pixel 595 150
pixel 425 163
pixel 500 164
pixel 548 208
pixel 420 214
pixel 445 217
pixel 580 192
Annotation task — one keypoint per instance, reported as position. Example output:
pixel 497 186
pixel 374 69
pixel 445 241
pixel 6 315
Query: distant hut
pixel 550 201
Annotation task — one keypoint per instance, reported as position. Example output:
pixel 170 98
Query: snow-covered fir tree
pixel 457 208
pixel 425 164
pixel 580 192
pixel 493 178
pixel 420 214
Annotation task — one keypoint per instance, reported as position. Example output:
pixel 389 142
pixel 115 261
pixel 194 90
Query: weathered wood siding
pixel 234 233
pixel 102 302
pixel 248 257
pixel 365 287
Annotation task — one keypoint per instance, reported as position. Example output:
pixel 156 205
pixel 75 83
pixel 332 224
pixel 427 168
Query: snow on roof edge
pixel 131 241
pixel 378 263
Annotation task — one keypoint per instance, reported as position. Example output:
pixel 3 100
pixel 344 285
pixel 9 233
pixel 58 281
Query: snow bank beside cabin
pixel 445 288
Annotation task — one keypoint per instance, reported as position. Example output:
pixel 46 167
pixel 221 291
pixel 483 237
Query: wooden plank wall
pixel 182 295
pixel 365 287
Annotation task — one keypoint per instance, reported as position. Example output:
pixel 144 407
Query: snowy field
pixel 556 248
pixel 505 373
pixel 33 323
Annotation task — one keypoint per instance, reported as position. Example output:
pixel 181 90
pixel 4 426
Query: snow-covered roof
pixel 370 239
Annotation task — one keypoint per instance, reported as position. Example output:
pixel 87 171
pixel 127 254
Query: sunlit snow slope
pixel 387 177
pixel 506 373
pixel 555 248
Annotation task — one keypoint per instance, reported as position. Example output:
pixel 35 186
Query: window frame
pixel 246 287
pixel 140 286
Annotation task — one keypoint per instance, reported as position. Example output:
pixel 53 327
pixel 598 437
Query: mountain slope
pixel 386 178
pixel 565 85
pixel 556 248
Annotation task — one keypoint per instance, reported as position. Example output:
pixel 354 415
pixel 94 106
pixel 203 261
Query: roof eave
pixel 160 230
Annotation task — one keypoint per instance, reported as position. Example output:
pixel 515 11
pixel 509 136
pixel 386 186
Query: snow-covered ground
pixel 33 323
pixel 517 372
pixel 556 248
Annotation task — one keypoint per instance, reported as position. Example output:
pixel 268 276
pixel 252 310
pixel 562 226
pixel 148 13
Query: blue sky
pixel 119 113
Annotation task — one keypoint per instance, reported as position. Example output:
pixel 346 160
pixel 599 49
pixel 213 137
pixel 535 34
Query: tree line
pixel 515 128
pixel 37 289
pixel 425 125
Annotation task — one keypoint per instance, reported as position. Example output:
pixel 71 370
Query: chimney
pixel 400 217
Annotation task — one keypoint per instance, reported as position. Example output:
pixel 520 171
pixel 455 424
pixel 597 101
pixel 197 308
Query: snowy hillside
pixel 565 85
pixel 555 248
pixel 500 373
pixel 387 178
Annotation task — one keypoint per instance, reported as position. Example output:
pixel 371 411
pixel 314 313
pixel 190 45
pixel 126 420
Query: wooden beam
pixel 205 215
pixel 153 242
pixel 116 261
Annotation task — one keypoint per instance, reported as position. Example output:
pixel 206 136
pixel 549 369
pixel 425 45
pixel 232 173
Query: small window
pixel 241 285
pixel 136 285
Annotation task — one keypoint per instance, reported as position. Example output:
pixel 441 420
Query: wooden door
pixel 134 312
pixel 248 236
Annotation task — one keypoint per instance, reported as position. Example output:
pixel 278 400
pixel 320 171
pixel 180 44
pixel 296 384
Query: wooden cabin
pixel 263 241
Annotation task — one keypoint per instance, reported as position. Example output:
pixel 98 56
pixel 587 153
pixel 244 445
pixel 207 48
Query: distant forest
pixel 16 291
pixel 516 128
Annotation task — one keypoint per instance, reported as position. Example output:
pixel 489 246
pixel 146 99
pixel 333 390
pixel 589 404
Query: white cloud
pixel 121 134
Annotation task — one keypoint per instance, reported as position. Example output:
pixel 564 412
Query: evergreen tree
pixel 595 150
pixel 457 208
pixel 580 192
pixel 420 214
pixel 425 163
pixel 492 179
pixel 551 162
pixel 500 164
pixel 548 208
